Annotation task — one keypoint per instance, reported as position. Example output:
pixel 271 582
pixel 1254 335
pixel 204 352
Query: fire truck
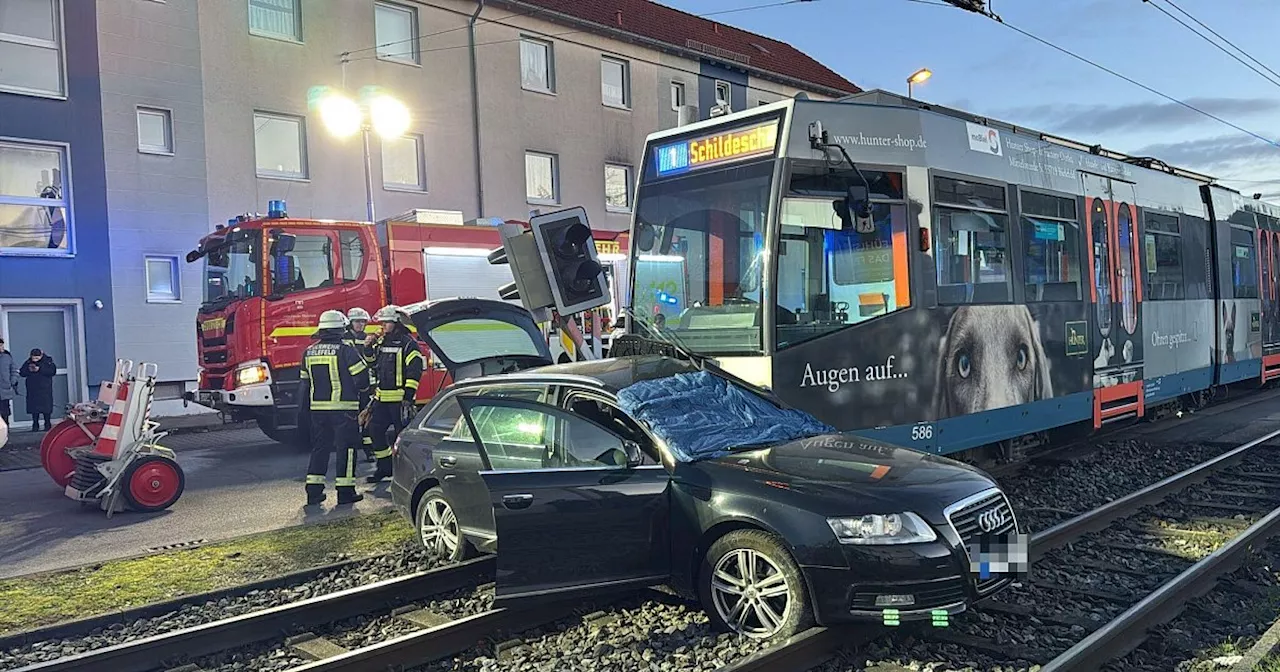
pixel 268 278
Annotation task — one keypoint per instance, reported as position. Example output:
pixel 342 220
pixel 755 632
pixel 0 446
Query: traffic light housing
pixel 568 253
pixel 530 287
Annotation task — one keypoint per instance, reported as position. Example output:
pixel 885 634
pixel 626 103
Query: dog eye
pixel 1023 356
pixel 963 367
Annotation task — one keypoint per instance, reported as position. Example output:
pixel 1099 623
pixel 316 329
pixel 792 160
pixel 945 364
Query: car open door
pixel 480 337
pixel 588 519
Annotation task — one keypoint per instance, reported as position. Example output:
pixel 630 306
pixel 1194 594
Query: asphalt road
pixel 238 482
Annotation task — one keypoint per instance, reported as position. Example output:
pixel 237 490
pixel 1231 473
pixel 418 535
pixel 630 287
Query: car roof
pixel 610 375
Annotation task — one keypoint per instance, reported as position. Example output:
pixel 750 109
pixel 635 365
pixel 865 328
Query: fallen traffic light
pixel 569 254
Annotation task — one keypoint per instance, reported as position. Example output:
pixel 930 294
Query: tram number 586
pixel 922 432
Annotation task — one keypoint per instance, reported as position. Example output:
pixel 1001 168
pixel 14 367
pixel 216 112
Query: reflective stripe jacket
pixel 333 375
pixel 397 369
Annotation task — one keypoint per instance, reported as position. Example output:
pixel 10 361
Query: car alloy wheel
pixel 752 587
pixel 438 527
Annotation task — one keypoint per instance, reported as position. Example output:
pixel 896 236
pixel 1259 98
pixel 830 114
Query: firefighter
pixel 334 375
pixel 363 342
pixel 397 370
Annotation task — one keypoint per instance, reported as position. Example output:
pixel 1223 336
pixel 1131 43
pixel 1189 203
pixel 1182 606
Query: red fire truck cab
pixel 268 278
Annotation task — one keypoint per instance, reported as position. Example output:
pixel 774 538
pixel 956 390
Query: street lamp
pixel 381 114
pixel 918 77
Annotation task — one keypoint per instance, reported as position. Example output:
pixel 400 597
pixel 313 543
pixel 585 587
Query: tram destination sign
pixel 716 149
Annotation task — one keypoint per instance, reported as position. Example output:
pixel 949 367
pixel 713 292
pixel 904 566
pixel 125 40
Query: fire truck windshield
pixel 700 258
pixel 233 270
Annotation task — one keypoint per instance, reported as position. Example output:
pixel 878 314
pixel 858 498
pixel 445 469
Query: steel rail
pixel 1125 631
pixel 1098 519
pixel 147 654
pixel 805 650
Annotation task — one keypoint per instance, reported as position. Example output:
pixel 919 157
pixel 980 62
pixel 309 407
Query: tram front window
pixel 699 271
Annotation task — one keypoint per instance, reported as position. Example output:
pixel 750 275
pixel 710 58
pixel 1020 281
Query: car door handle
pixel 517 501
pixel 448 461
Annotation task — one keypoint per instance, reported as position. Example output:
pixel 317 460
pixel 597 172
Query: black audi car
pixel 620 473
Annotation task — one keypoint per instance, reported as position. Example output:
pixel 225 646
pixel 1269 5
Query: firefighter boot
pixel 348 495
pixel 315 494
pixel 382 472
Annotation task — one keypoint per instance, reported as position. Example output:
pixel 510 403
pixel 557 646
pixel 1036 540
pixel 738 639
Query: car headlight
pixel 876 528
pixel 251 375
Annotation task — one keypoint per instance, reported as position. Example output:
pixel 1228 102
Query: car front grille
pixel 966 517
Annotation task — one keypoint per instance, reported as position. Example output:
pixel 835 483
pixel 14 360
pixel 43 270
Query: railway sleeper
pixel 1007 651
pixel 1066 620
pixel 1142 548
pixel 1257 497
pixel 1118 569
pixel 314 647
pixel 1118 598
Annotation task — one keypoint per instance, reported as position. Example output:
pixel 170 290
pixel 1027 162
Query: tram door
pixel 1116 294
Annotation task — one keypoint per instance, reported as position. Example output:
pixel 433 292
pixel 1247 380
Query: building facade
pixel 175 115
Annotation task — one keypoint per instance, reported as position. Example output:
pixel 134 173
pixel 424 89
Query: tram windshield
pixel 700 258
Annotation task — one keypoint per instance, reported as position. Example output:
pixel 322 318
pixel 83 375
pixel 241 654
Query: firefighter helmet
pixel 332 319
pixel 358 314
pixel 388 313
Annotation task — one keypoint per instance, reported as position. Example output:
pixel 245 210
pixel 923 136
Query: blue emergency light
pixel 277 210
pixel 664 297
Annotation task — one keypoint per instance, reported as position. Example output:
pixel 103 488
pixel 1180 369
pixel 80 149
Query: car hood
pixel 842 474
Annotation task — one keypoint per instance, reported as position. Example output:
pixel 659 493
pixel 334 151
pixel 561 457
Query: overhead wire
pixel 1218 35
pixel 1114 73
pixel 1271 79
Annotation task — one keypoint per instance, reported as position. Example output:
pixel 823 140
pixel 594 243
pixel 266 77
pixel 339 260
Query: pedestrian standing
pixel 363 343
pixel 397 370
pixel 8 382
pixel 333 377
pixel 39 370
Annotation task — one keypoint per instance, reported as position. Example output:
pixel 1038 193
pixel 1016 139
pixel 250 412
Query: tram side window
pixel 1244 269
pixel 971 229
pixel 829 278
pixel 1162 258
pixel 1051 232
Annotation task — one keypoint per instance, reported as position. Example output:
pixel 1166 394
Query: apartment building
pixel 174 115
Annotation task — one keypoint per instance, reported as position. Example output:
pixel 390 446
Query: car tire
pixel 772 602
pixel 438 529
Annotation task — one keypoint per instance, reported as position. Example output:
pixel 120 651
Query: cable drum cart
pixel 106 451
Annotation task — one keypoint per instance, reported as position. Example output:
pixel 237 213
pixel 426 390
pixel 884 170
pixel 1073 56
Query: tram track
pixel 1134 591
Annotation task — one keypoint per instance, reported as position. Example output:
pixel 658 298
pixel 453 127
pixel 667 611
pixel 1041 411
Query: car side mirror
pixel 634 455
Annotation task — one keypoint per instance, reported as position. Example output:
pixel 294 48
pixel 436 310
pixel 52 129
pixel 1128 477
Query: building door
pixel 53 330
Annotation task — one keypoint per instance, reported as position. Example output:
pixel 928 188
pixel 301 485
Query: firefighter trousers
pixel 333 432
pixel 384 426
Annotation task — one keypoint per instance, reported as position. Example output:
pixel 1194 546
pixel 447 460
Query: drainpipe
pixel 475 108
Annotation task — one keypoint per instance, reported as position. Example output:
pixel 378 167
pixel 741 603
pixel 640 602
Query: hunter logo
pixel 983 139
pixel 1077 338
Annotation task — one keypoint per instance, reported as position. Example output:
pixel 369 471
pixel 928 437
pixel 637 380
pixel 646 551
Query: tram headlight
pixel 887 528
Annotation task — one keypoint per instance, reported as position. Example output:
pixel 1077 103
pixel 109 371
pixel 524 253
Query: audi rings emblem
pixel 992 519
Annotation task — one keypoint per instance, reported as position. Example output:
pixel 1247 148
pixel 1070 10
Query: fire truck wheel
pixel 53 448
pixel 153 483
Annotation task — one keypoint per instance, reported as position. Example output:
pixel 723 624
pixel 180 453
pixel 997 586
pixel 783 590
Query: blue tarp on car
pixel 702 416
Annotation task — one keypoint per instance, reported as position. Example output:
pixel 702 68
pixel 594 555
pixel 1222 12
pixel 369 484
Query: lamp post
pixel 381 114
pixel 918 77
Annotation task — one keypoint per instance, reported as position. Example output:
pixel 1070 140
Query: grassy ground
pixel 41 599
pixel 1269 664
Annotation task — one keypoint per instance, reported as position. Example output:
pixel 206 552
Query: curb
pixel 85 626
pixel 17 446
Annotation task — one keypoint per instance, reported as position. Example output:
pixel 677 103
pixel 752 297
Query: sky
pixel 985 68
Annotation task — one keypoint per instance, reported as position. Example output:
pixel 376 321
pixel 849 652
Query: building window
pixel 617 188
pixel 281 19
pixel 537 65
pixel 972 242
pixel 541 183
pixel 164 284
pixel 1051 234
pixel 722 93
pixel 396 32
pixel 155 131
pixel 33 198
pixel 677 95
pixel 31 47
pixel 280 145
pixel 615 82
pixel 402 163
pixel 1162 256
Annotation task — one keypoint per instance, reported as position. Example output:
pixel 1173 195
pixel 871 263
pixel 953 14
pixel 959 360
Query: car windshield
pixel 233 270
pixel 698 280
pixel 701 416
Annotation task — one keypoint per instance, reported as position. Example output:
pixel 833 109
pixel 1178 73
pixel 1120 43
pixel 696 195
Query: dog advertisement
pixel 926 365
